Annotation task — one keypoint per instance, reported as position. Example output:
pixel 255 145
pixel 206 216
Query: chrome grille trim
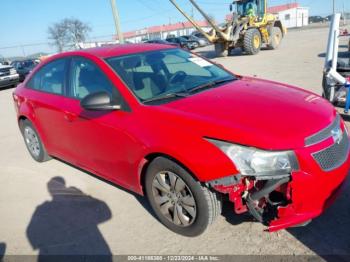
pixel 323 134
pixel 4 72
pixel 334 156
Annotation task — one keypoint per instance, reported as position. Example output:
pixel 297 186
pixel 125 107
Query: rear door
pixel 45 96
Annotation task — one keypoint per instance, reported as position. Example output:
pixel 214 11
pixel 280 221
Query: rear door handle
pixel 69 116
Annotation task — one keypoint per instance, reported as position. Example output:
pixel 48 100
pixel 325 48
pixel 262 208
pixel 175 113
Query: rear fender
pixel 27 112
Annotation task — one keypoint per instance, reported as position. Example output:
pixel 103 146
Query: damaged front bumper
pixel 291 200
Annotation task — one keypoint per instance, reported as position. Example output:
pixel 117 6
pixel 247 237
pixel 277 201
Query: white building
pixel 291 15
pixel 162 31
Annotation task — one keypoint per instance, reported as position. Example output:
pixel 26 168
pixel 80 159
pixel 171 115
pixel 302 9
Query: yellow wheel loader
pixel 250 28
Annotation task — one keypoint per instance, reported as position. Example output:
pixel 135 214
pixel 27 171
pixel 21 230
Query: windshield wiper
pixel 211 84
pixel 166 96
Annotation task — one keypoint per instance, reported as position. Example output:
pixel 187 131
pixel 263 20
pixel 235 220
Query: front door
pixel 98 139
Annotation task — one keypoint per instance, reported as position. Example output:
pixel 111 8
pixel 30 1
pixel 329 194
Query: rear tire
pixel 33 142
pixel 205 204
pixel 275 38
pixel 252 41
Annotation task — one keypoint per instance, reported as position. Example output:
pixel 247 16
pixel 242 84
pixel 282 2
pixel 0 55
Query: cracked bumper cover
pixel 313 190
pixel 310 191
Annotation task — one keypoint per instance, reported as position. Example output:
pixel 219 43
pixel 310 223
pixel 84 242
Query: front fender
pixel 203 160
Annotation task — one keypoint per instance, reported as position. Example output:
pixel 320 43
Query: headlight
pixel 254 162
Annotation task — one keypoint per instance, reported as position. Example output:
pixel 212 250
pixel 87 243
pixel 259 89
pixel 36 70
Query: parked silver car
pixel 200 41
pixel 8 76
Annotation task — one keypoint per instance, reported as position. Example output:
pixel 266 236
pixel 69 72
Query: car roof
pixel 120 50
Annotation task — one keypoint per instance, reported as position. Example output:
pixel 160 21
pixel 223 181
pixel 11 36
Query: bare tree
pixel 57 33
pixel 77 31
pixel 68 33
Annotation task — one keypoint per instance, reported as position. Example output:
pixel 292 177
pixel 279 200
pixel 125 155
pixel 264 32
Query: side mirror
pixel 100 101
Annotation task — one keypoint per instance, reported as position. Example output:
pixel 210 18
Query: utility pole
pixel 344 15
pixel 117 22
pixel 24 53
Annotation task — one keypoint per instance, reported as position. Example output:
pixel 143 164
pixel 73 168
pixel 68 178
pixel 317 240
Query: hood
pixel 256 113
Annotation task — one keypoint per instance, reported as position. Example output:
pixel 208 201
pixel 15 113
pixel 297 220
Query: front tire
pixel 180 202
pixel 252 41
pixel 33 142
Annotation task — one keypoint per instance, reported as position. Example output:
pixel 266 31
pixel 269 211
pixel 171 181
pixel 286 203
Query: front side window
pixel 152 74
pixel 86 78
pixel 50 78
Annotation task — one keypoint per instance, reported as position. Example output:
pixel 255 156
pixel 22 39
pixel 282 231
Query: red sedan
pixel 187 133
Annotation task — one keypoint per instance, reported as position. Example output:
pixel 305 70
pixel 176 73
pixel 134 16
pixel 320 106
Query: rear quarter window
pixel 50 78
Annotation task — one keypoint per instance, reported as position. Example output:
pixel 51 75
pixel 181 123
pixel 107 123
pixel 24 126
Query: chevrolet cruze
pixel 187 133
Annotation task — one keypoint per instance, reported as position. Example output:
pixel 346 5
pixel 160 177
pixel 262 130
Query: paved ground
pixel 30 217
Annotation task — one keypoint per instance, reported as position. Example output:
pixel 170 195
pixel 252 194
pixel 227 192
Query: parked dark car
pixel 24 67
pixel 162 42
pixel 317 19
pixel 183 42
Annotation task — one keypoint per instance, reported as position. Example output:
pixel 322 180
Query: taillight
pixel 17 100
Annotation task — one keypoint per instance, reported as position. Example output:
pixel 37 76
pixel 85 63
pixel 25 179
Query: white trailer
pixel 335 85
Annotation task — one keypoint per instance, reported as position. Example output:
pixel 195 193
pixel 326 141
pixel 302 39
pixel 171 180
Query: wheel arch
pixel 21 118
pixel 145 162
pixel 278 24
pixel 31 119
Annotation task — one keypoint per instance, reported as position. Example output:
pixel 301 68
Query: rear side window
pixel 86 78
pixel 50 78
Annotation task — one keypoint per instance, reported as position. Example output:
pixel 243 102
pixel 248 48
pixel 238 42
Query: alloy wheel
pixel 174 198
pixel 32 141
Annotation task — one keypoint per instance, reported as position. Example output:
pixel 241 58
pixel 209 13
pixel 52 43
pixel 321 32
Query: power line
pixel 146 5
pixel 24 45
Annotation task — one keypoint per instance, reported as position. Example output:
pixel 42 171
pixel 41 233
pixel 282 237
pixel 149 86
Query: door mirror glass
pixel 99 101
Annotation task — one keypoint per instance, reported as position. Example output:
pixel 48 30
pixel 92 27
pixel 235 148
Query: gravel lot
pixel 126 225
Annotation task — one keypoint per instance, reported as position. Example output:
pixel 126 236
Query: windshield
pixel 250 8
pixel 159 73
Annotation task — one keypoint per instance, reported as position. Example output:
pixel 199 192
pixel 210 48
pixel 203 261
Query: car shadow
pixel 66 227
pixel 345 117
pixel 231 217
pixel 329 235
pixel 2 250
pixel 141 199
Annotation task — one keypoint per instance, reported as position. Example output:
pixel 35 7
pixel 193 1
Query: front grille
pixel 323 134
pixel 4 72
pixel 333 156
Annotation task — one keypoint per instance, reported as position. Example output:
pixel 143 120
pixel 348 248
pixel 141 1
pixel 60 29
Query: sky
pixel 24 23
